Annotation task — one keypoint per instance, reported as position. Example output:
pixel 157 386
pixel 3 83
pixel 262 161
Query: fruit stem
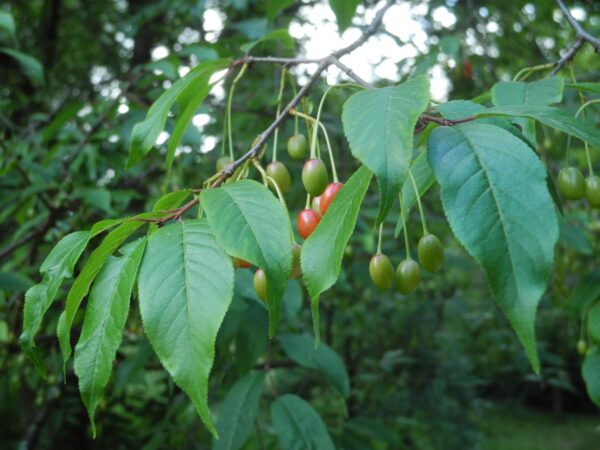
pixel 318 122
pixel 379 239
pixel 229 101
pixel 524 73
pixel 294 91
pixel 587 150
pixel 324 130
pixel 266 178
pixel 414 183
pixel 308 199
pixel 200 208
pixel 404 228
pixel 279 98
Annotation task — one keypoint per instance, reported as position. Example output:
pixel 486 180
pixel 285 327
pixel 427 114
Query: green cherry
pixel 260 284
pixel 297 147
pixel 280 174
pixel 571 183
pixel 314 177
pixel 431 253
pixel 581 347
pixel 408 276
pixel 381 271
pixel 223 162
pixel 592 190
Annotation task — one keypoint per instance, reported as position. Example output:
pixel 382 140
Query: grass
pixel 518 429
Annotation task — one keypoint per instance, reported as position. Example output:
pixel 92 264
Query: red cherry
pixel 328 195
pixel 307 222
pixel 240 263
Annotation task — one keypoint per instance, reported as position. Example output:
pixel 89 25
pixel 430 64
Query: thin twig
pixel 348 71
pixel 582 37
pixel 567 57
pixel 323 64
pixel 593 41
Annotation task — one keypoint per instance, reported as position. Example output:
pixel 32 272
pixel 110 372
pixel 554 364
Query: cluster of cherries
pixel 573 186
pixel 408 273
pixel 316 182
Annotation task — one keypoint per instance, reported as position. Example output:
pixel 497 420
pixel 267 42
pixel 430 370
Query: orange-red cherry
pixel 240 263
pixel 328 195
pixel 307 222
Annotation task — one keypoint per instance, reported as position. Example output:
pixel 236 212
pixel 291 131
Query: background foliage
pixel 416 372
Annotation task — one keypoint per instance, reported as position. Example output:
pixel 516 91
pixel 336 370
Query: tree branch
pixel 262 138
pixel 582 37
pixel 581 33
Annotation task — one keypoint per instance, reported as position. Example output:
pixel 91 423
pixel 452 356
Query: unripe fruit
pixel 223 162
pixel 408 276
pixel 328 195
pixel 260 284
pixel 431 253
pixel 315 205
pixel 307 222
pixel 296 269
pixel 571 183
pixel 297 147
pixel 581 347
pixel 240 263
pixel 280 174
pixel 314 176
pixel 592 190
pixel 381 271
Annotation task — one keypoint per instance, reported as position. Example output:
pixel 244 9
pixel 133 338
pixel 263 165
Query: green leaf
pixel 185 287
pixel 461 109
pixel 104 323
pixel 14 282
pixel 551 117
pixel 322 252
pixel 250 223
pixel 587 291
pixel 169 201
pixel 252 337
pixel 281 35
pixel 57 266
pixel 379 125
pixel 31 67
pixel 301 349
pixel 593 323
pixel 145 133
pixel 542 92
pixel 586 87
pixel 298 425
pixel 424 179
pixel 7 25
pixel 189 101
pixel 494 193
pixel 82 283
pixel 238 411
pixel 292 300
pixel 274 7
pixel 591 374
pixel 344 11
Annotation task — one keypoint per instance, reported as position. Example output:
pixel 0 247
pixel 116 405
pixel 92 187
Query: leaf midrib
pixel 296 425
pixel 500 213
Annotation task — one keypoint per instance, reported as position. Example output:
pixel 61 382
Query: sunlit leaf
pixel 494 193
pixel 104 322
pixel 379 125
pixel 251 224
pixel 185 288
